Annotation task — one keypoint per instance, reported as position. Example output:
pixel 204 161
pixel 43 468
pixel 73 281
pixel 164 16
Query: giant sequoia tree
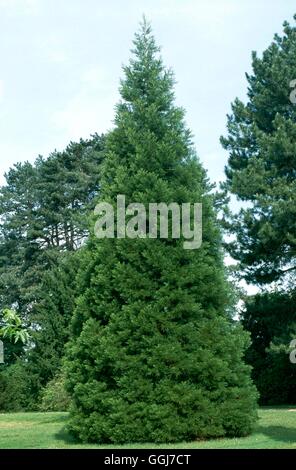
pixel 154 355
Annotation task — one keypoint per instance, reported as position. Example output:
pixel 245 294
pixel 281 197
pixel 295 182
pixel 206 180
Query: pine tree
pixel 154 354
pixel 261 142
pixel 261 171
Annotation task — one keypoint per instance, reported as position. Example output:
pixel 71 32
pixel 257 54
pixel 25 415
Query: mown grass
pixel 276 429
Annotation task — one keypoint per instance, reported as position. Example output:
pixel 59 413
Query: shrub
pixel 54 396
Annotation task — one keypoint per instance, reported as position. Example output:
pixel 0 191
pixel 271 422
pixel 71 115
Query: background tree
pixel 51 317
pixel 261 167
pixel 271 319
pixel 14 336
pixel 154 355
pixel 45 210
pixel 261 172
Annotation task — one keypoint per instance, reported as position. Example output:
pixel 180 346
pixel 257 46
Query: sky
pixel 61 61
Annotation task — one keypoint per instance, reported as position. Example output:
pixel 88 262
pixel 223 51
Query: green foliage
pixel 51 316
pixel 13 329
pixel 271 320
pixel 14 387
pixel 154 355
pixel 261 142
pixel 44 209
pixel 261 168
pixel 54 395
pixel 14 336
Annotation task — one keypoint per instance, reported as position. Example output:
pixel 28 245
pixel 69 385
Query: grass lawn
pixel 276 428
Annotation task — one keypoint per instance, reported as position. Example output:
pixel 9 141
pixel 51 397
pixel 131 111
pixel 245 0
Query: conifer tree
pixel 270 318
pixel 154 354
pixel 261 166
pixel 261 172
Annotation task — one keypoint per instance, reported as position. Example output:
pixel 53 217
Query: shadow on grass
pixel 279 433
pixel 64 436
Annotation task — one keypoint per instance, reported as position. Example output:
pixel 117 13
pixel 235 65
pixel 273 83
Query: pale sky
pixel 61 63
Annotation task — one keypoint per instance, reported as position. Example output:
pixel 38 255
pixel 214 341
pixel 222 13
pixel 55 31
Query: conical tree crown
pixel 154 355
pixel 150 142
